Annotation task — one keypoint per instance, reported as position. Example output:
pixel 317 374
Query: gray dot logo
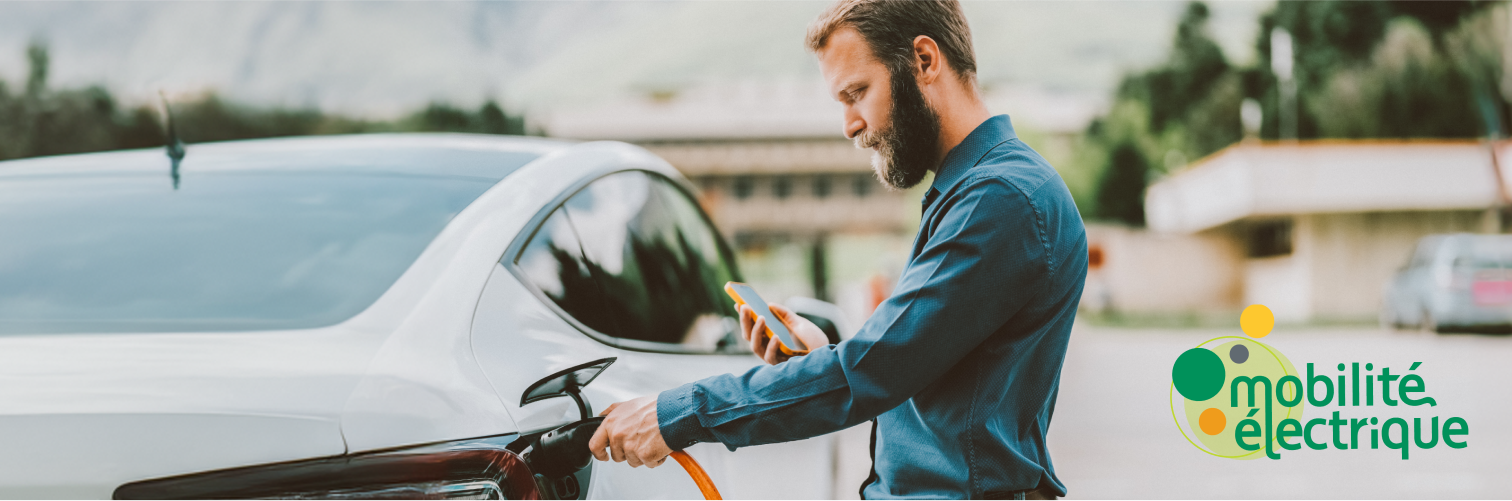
pixel 1238 353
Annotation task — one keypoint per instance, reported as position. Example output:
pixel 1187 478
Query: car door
pixel 661 268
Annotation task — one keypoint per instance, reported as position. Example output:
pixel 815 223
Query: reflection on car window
pixel 229 251
pixel 660 266
pixel 553 262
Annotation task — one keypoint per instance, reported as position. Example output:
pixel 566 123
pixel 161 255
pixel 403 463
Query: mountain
pixel 383 58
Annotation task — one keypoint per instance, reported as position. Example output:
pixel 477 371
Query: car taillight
pixel 481 469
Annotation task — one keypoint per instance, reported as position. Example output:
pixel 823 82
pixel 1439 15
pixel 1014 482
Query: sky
pixel 381 59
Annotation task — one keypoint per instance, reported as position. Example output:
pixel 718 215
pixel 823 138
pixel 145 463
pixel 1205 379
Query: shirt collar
pixel 964 156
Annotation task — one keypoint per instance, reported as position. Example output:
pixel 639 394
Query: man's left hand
pixel 632 433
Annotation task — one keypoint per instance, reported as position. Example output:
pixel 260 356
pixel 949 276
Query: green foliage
pixel 1362 70
pixel 1116 195
pixel 210 118
pixel 45 121
pixel 36 79
pixel 1387 69
pixel 1185 108
pixel 1196 65
pixel 1440 17
pixel 1413 91
pixel 442 117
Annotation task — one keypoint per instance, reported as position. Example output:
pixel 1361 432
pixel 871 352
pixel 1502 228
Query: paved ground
pixel 1113 435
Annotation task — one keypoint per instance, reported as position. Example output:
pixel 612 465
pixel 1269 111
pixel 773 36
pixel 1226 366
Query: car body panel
pixel 426 384
pixel 82 414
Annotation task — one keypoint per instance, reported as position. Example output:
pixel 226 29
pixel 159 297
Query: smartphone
pixel 744 294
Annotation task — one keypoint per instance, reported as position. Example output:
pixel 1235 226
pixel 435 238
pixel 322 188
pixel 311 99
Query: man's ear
pixel 927 59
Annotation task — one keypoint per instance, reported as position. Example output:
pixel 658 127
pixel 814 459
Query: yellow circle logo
pixel 1257 321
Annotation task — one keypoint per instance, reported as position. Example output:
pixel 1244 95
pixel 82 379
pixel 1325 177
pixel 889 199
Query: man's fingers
pixel 772 352
pixel 606 413
pixel 759 347
pixel 617 448
pixel 803 329
pixel 758 337
pixel 646 456
pixel 746 321
pixel 598 442
pixel 782 312
pixel 633 459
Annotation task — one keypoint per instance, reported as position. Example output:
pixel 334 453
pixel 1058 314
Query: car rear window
pixel 227 251
pixel 1485 251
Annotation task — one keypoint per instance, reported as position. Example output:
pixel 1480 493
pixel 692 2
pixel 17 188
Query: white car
pixel 355 316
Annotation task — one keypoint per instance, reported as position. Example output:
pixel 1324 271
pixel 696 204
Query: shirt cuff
pixel 677 415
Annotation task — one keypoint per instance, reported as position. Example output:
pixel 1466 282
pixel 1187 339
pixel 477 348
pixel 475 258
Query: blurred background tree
pixel 1362 70
pixel 40 120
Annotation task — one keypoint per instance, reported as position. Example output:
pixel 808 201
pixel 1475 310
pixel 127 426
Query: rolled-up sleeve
pixel 980 263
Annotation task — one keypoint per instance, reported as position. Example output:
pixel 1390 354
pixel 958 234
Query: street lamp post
pixel 1282 61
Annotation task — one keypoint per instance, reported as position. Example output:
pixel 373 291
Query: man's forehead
pixel 846 60
pixel 846 40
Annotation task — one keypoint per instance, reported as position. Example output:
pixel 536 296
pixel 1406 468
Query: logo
pixel 1221 387
pixel 1238 398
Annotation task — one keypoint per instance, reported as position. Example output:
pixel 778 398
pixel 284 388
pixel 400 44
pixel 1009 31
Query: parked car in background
pixel 355 317
pixel 1453 283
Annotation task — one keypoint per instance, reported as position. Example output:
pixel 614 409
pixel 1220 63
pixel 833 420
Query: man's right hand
pixel 753 327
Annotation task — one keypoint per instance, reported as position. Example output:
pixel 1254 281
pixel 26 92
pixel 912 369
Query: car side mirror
pixel 824 314
pixel 568 382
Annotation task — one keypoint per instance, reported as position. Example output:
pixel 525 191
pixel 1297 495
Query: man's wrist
pixel 677 415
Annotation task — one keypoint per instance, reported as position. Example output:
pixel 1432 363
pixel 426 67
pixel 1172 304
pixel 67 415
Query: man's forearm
pixel 803 397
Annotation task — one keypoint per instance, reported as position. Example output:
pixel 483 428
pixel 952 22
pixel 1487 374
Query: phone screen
pixel 753 299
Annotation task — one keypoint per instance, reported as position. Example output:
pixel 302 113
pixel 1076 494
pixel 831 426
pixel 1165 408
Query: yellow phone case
pixel 770 335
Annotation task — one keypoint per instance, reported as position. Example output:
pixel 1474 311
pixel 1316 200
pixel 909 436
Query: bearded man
pixel 958 369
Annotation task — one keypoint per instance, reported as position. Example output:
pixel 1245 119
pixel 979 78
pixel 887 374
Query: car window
pixel 1485 251
pixel 553 262
pixel 226 251
pixel 660 265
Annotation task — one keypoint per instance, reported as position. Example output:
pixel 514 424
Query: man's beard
pixel 910 143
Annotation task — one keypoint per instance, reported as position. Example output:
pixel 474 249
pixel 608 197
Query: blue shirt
pixel 959 367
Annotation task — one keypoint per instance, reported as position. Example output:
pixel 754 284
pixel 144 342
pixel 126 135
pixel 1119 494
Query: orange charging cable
pixel 705 485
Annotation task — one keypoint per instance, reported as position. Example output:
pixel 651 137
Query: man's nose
pixel 854 126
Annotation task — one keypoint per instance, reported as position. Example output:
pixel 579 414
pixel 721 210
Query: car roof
pixel 481 156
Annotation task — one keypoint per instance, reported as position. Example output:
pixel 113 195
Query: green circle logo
pixel 1198 374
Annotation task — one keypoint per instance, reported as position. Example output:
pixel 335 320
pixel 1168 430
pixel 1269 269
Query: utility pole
pixel 1502 213
pixel 1251 115
pixel 1282 60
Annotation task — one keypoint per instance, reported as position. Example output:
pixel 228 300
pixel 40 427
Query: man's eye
pixel 851 97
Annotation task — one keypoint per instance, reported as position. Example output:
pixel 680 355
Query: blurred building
pixel 1314 230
